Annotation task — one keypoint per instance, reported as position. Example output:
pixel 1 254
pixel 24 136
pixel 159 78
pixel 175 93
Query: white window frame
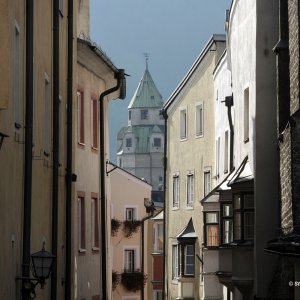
pixel 80 222
pixel 190 189
pixel 185 259
pixel 126 212
pixel 47 114
pixel 246 114
pixel 206 190
pixel 183 130
pixel 176 191
pixel 157 229
pixel 175 261
pixel 199 119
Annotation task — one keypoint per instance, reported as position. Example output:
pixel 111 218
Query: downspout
pixel 165 292
pixel 69 155
pixel 229 104
pixel 28 145
pixel 120 76
pixel 143 247
pixel 55 158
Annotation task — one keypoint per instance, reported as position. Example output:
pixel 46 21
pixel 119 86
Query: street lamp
pixel 41 263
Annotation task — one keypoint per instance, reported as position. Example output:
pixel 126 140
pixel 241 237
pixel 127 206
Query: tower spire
pixel 146 54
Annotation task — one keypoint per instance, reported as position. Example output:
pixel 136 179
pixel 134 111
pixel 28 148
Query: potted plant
pixel 131 227
pixel 115 225
pixel 133 281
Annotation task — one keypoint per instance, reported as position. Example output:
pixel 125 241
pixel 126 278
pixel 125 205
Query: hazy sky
pixel 173 32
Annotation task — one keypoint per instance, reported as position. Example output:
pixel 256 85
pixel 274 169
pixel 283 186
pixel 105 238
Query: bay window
pixel 212 229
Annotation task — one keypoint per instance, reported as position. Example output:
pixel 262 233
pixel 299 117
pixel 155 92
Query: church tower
pixel 141 143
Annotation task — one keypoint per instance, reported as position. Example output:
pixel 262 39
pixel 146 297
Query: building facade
pixel 141 143
pixel 33 122
pixel 129 267
pixel 190 174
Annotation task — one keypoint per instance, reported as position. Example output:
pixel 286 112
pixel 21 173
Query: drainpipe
pixel 55 146
pixel 69 155
pixel 165 115
pixel 120 76
pixel 28 144
pixel 229 104
pixel 143 246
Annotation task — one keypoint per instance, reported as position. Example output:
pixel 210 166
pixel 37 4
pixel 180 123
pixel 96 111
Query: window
pixel 175 262
pixel 47 115
pixel 199 120
pixel 94 225
pixel 94 108
pixel 128 142
pixel 189 260
pixel 17 78
pixel 207 179
pixel 81 223
pixel 190 190
pixel 158 237
pixel 183 124
pixel 157 142
pixel 176 191
pixel 144 114
pixel 243 205
pixel 246 115
pixel 212 229
pixel 61 7
pixel 157 295
pixel 227 234
pixel 80 117
pixel 129 115
pixel 129 257
pixel 226 152
pixel 218 156
pixel 130 214
pixel 160 178
pixel 152 97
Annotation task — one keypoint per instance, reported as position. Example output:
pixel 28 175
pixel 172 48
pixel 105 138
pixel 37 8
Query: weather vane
pixel 146 54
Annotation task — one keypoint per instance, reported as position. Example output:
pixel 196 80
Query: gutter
pixel 55 157
pixel 165 289
pixel 68 263
pixel 143 246
pixel 120 76
pixel 28 146
pixel 229 104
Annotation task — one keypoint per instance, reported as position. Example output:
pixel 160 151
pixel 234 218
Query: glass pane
pixel 249 225
pixel 212 217
pixel 227 210
pixel 237 201
pixel 249 201
pixel 237 226
pixel 189 249
pixel 212 234
pixel 227 232
pixel 189 270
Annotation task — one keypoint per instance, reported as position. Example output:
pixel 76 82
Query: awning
pixel 242 174
pixel 188 233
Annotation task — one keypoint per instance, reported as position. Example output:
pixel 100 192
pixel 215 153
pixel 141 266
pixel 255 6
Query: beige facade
pixel 190 172
pixel 12 161
pixel 126 197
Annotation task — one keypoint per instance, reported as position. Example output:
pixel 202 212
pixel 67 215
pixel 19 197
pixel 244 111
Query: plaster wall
pixel 194 154
pixel 127 191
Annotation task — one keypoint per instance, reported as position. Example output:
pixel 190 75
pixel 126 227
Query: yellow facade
pixel 190 155
pixel 12 123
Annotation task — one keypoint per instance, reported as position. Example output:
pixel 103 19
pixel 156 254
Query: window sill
pixel 17 126
pixel 199 136
pixel 81 251
pixel 183 139
pixel 246 140
pixel 81 145
pixel 189 207
pixel 175 208
pixel 175 281
pixel 95 250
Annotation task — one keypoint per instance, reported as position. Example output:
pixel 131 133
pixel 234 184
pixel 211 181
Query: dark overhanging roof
pixel 188 233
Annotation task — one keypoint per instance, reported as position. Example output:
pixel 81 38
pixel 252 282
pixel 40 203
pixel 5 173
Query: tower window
pixel 144 114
